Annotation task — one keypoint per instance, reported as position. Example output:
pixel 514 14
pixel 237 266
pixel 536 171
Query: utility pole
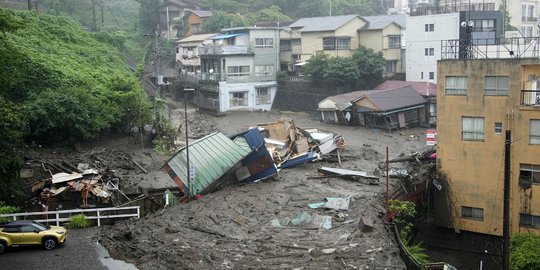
pixel 94 15
pixel 506 211
pixel 29 4
pixel 102 16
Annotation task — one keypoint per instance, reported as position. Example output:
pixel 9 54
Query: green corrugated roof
pixel 212 157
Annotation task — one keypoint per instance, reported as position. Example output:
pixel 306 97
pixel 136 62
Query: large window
pixel 529 173
pixel 483 25
pixel 472 128
pixel 266 70
pixel 237 71
pixel 264 42
pixel 496 85
pixel 394 42
pixel 238 99
pixel 526 220
pixel 472 213
pixel 333 43
pixel 430 27
pixel 455 85
pixel 263 95
pixel 534 132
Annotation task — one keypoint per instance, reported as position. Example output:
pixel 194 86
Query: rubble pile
pixel 95 178
pixel 291 223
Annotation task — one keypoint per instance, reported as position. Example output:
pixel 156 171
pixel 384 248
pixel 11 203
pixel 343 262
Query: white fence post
pixel 98 219
pixel 57 219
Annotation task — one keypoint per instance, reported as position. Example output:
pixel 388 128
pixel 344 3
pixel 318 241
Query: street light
pixel 189 169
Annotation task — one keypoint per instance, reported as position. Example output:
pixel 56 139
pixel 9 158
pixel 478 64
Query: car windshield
pixel 40 226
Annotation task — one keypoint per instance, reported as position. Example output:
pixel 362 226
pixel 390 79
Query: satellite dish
pixel 470 23
pixel 211 70
pixel 463 24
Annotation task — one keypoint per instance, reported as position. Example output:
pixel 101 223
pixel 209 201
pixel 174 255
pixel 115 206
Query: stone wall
pixel 303 96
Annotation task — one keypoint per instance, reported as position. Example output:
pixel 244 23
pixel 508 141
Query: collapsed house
pixel 385 109
pixel 249 156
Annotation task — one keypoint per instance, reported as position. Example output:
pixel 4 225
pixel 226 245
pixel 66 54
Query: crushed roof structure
pixel 317 24
pixel 423 88
pixel 381 21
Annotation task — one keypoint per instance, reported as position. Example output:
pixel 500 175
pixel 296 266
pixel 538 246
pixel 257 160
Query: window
pixel 430 27
pixel 422 75
pixel 472 128
pixel 391 66
pixel 526 220
pixel 343 43
pixel 529 173
pixel 472 213
pixel 526 31
pixel 429 51
pixel 264 42
pixel 496 86
pixel 527 13
pixel 285 45
pixel 196 28
pixel 295 42
pixel 483 25
pixel 394 42
pixel 455 85
pixel 498 128
pixel 238 99
pixel 431 75
pixel 28 228
pixel 332 43
pixel 263 95
pixel 534 132
pixel 266 70
pixel 237 71
pixel 11 229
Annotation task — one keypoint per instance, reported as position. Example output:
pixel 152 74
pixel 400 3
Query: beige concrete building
pixel 477 101
pixel 340 36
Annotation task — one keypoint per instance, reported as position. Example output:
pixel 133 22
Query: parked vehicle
pixel 28 232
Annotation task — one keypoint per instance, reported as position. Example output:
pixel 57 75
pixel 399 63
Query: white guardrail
pixel 64 215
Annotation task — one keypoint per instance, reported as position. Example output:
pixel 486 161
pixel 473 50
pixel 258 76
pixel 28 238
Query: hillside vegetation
pixel 60 84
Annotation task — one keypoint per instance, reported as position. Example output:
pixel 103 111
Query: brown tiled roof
pixel 423 88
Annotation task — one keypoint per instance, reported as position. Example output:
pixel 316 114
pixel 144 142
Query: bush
pixel 525 252
pixel 79 221
pixel 6 209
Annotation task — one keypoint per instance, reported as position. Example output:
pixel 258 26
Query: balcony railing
pixel 530 98
pixel 529 19
pixel 225 49
pixel 490 48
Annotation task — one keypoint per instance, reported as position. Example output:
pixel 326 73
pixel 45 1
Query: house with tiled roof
pixel 385 109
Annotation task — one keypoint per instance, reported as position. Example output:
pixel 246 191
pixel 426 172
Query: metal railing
pixel 530 98
pixel 490 48
pixel 225 49
pixel 64 215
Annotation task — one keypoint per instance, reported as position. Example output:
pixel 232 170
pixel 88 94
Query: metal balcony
pixel 494 48
pixel 212 49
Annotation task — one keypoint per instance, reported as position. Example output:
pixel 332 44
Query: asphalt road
pixel 80 251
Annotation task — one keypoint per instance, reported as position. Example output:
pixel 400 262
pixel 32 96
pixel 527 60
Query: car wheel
pixel 3 247
pixel 49 243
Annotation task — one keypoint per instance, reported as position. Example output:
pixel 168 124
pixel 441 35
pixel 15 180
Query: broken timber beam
pixel 139 165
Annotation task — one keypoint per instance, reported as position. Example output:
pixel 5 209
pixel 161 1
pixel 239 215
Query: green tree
pixel 341 70
pixel 370 67
pixel 222 20
pixel 316 66
pixel 229 6
pixel 525 252
pixel 148 15
pixel 270 14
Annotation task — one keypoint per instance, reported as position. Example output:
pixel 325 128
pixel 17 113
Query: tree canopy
pixel 62 84
pixel 525 252
pixel 363 70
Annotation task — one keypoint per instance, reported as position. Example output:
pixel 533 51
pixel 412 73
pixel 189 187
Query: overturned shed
pixel 210 158
pixel 259 163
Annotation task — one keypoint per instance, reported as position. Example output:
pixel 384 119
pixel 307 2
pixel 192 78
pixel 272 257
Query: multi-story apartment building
pixel 187 52
pixel 523 13
pixel 478 100
pixel 340 36
pixel 238 70
pixel 425 34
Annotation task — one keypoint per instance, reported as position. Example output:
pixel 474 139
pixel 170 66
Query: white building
pixel 424 36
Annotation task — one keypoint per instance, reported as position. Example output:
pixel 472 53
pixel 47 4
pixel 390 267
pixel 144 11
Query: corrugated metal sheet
pixel 212 157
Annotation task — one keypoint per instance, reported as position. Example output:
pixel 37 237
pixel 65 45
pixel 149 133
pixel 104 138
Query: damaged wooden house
pixel 385 109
